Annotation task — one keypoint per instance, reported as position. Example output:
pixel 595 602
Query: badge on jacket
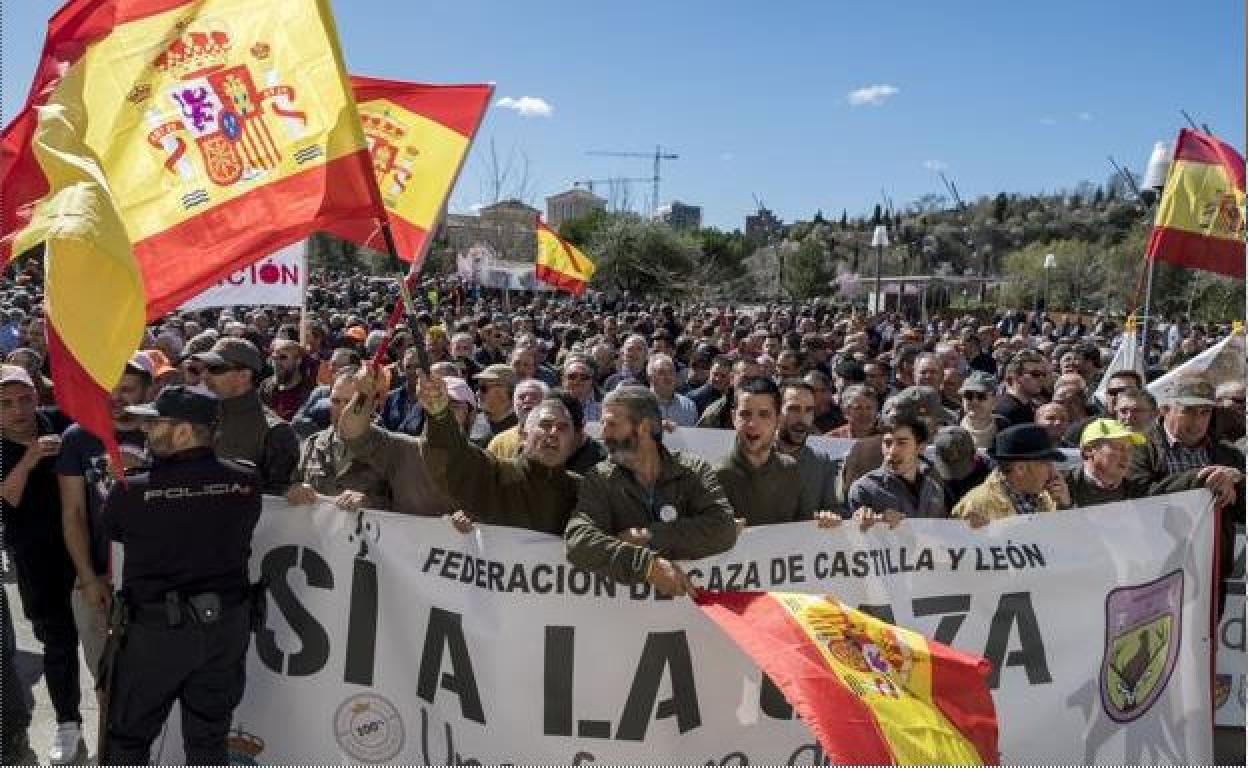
pixel 667 514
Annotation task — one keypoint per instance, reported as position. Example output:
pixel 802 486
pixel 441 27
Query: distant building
pixel 762 223
pixel 508 228
pixel 572 204
pixel 680 216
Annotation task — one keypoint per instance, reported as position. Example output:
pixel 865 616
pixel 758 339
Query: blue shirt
pixel 401 414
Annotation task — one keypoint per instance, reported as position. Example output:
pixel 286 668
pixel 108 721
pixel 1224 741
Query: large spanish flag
pixel 418 136
pixel 559 263
pixel 225 130
pixel 1200 219
pixel 872 693
pixel 93 293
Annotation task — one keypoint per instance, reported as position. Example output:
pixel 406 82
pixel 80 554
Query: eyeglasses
pixel 972 395
pixel 576 377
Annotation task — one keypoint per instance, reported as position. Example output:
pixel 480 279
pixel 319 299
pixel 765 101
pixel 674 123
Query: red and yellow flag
pixel 559 263
pixel 1200 219
pixel 418 136
pixel 225 130
pixel 93 293
pixel 872 693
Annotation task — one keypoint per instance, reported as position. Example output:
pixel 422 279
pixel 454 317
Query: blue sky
pixel 756 97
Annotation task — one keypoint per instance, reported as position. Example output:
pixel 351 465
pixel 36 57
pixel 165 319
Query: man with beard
pixel 248 430
pixel 762 484
pixel 30 505
pixel 645 507
pixel 186 526
pixel 532 491
pixel 1025 377
pixel 288 387
pixel 85 477
pixel 716 387
pixel 817 471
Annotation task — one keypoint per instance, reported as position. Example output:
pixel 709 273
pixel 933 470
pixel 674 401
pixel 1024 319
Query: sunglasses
pixel 972 395
pixel 575 377
pixel 224 368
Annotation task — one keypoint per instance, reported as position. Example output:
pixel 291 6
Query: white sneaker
pixel 67 747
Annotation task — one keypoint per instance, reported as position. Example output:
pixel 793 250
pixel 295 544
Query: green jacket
pixel 513 493
pixel 687 514
pixel 770 494
pixel 330 468
pixel 414 473
pixel 1084 492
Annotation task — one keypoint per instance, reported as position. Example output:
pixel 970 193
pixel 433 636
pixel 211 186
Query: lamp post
pixel 1050 262
pixel 1154 180
pixel 879 239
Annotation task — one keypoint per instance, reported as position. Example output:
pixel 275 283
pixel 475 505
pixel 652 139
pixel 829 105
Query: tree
pixel 641 256
pixel 876 215
pixel 844 219
pixel 805 269
pixel 580 231
pixel 507 178
pixel 1000 207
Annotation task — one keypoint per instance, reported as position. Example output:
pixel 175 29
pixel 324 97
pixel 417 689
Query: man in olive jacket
pixel 763 485
pixel 644 506
pixel 533 491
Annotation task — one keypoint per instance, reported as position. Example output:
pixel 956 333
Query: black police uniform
pixel 186 526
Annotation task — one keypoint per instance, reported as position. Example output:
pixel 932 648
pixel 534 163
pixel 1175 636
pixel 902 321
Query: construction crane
pixel 953 190
pixel 658 156
pixel 589 183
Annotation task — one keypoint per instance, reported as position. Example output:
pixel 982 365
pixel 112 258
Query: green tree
pixel 805 270
pixel 642 256
pixel 580 231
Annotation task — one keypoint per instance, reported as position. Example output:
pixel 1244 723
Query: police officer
pixel 186 527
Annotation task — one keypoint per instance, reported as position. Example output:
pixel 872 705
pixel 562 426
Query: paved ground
pixel 1228 744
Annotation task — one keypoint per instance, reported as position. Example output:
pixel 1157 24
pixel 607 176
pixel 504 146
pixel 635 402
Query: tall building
pixel 680 216
pixel 762 223
pixel 572 204
pixel 508 228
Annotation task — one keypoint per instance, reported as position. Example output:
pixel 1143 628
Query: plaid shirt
pixel 1180 458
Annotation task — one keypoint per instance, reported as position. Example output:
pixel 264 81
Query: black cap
pixel 1028 441
pixel 181 402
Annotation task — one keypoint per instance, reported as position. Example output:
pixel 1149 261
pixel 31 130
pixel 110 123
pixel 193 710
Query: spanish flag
pixel 1200 219
pixel 418 137
pixel 225 130
pixel 93 293
pixel 559 263
pixel 872 693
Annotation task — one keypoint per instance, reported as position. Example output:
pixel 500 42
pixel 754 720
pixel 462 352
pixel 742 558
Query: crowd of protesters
pixel 549 413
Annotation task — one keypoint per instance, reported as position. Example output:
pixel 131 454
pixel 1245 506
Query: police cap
pixel 186 403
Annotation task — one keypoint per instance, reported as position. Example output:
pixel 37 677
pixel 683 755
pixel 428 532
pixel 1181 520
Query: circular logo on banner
pixel 269 273
pixel 368 728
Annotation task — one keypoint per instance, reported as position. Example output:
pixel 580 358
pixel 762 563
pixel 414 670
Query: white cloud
pixel 1047 121
pixel 528 106
pixel 872 95
pixel 935 165
pixel 1084 116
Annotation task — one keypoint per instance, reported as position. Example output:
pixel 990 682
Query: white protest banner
pixel 395 639
pixel 277 280
pixel 1231 680
pixel 1221 363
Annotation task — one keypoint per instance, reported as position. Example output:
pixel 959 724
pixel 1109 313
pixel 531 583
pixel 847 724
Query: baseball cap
pixel 458 390
pixel 980 382
pixel 922 401
pixel 1104 428
pixel 14 374
pixel 188 403
pixel 497 373
pixel 954 452
pixel 233 351
pixel 1192 392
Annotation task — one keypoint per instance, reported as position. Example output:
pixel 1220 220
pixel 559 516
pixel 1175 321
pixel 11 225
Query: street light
pixel 1154 180
pixel 1050 262
pixel 879 239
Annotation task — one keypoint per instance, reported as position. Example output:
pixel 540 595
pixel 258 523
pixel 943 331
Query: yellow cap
pixel 1104 428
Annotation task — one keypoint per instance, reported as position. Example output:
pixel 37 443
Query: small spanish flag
pixel 1200 219
pixel 418 136
pixel 559 263
pixel 872 693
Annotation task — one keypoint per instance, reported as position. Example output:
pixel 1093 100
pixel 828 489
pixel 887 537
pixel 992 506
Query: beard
pixel 619 449
pixel 795 435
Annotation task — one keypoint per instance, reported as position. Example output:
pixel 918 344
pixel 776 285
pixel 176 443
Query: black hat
pixel 1025 442
pixel 187 403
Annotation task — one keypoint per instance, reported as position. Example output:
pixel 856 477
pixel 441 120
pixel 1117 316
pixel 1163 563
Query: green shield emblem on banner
pixel 1143 630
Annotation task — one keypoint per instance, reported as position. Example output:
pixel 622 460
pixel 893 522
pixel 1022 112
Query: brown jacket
pixel 410 468
pixel 767 495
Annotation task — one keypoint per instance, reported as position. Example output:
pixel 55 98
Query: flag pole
pixel 1146 321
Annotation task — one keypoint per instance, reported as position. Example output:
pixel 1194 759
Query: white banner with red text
pixel 278 280
pixel 393 639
